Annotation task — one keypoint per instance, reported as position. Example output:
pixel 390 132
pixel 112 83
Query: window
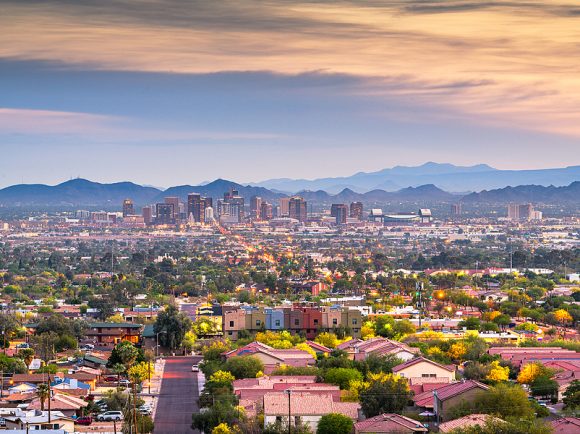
pixel 258 323
pixel 231 323
pixel 277 322
pixel 296 321
pixel 429 375
pixel 230 333
pixel 315 322
pixel 354 321
pixel 334 321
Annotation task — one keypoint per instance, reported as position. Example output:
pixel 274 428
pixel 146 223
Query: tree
pixel 224 428
pixel 470 323
pixel 572 395
pixel 174 324
pixel 334 423
pixel 329 340
pixel 384 393
pixel 42 391
pixel 476 371
pixel 342 377
pixel 124 353
pixel 140 372
pixel 189 341
pixel 497 373
pixel 562 316
pixel 244 366
pixel 532 371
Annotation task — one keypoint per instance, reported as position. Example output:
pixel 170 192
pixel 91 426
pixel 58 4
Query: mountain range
pixel 448 177
pixel 562 186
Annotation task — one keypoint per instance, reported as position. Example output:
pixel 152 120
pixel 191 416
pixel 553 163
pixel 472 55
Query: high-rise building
pixel 231 208
pixel 284 203
pixel 356 210
pixel 255 207
pixel 339 211
pixel 128 208
pixel 165 214
pixel 297 208
pixel 521 212
pixel 266 211
pixel 175 202
pixel 196 206
pixel 147 213
pixel 456 209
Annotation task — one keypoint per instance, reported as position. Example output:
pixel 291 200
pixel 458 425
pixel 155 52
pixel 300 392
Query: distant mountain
pixel 446 176
pixel 528 193
pixel 424 193
pixel 217 188
pixel 76 192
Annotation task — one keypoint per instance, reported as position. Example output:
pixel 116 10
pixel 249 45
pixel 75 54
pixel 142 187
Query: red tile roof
pixel 467 421
pixel 421 360
pixel 389 422
pixel 306 404
pixel 566 425
pixel 454 389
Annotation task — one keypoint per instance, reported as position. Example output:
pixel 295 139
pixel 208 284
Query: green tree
pixel 572 395
pixel 342 377
pixel 174 324
pixel 384 393
pixel 244 367
pixel 42 393
pixel 124 353
pixel 334 423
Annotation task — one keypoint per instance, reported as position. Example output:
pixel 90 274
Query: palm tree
pixel 42 392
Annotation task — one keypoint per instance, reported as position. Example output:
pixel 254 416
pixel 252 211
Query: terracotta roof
pixel 60 401
pixel 389 422
pixel 566 425
pixel 14 397
pixel 420 360
pixel 454 389
pixel 306 404
pixel 467 421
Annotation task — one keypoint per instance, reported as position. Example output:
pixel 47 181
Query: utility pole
pixel 419 288
pixel 289 392
pixel 135 407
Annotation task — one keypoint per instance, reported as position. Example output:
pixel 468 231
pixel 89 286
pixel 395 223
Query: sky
pixel 170 92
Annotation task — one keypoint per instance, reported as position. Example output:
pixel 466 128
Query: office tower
pixel 209 218
pixel 165 214
pixel 230 209
pixel 196 206
pixel 83 214
pixel 456 209
pixel 147 213
pixel 297 208
pixel 339 211
pixel 266 211
pixel 513 211
pixel 356 210
pixel 284 203
pixel 208 202
pixel 526 211
pixel 255 207
pixel 175 202
pixel 520 212
pixel 128 208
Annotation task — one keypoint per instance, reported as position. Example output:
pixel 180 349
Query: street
pixel 178 397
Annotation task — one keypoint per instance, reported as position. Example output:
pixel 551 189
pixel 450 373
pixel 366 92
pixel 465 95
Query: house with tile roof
pixel 273 358
pixel 34 420
pixel 421 367
pixel 304 408
pixel 67 404
pixel 358 349
pixel 566 425
pixel 469 421
pixel 389 423
pixel 451 395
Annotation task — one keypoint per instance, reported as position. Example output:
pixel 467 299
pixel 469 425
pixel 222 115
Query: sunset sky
pixel 169 92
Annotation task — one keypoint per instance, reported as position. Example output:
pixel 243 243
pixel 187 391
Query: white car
pixel 195 368
pixel 109 416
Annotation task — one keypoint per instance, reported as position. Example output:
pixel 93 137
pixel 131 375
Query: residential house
pixel 304 408
pixel 469 421
pixel 67 404
pixel 110 334
pixel 273 358
pixel 566 425
pixel 450 395
pixel 358 349
pixel 421 367
pixel 35 420
pixel 389 423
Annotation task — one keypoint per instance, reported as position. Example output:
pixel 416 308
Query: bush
pixel 342 377
pixel 244 366
pixel 334 423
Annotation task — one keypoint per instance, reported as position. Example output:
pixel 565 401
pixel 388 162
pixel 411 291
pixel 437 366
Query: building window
pixel 334 321
pixel 231 323
pixel 354 321
pixel 429 375
pixel 296 321
pixel 258 323
pixel 277 322
pixel 315 322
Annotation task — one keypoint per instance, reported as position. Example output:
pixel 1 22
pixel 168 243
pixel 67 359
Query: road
pixel 178 396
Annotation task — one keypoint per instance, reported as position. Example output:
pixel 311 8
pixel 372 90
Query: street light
pixel 157 343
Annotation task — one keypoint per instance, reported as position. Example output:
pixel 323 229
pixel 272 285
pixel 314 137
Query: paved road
pixel 178 397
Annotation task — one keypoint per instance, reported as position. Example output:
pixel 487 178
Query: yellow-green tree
pixel 329 340
pixel 498 373
pixel 532 371
pixel 562 316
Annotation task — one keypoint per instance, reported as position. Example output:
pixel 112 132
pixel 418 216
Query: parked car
pixel 22 346
pixel 124 382
pixel 84 420
pixel 110 378
pixel 195 368
pixel 145 410
pixel 87 347
pixel 109 416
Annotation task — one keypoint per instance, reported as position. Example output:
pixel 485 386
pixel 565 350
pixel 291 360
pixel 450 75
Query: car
pixel 111 378
pixel 195 368
pixel 109 416
pixel 22 346
pixel 87 420
pixel 124 382
pixel 145 410
pixel 87 347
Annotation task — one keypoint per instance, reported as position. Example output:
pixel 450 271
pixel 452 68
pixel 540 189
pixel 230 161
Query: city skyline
pixel 252 91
